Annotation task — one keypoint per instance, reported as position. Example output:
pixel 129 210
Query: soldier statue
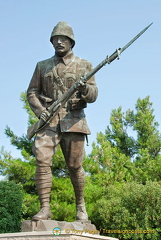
pixel 52 78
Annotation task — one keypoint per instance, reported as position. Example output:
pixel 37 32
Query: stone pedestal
pixel 56 230
pixel 66 227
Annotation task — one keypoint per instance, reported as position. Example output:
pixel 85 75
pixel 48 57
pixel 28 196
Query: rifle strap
pixel 58 79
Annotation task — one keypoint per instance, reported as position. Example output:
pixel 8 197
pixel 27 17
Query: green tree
pixel 122 157
pixel 130 206
pixel 144 127
pixel 107 162
pixel 10 207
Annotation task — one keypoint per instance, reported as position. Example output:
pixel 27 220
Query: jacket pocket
pixel 78 114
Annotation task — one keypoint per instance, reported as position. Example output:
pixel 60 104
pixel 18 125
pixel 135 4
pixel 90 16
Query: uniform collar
pixel 66 59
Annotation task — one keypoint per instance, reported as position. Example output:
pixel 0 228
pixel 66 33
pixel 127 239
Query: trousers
pixel 45 146
pixel 71 143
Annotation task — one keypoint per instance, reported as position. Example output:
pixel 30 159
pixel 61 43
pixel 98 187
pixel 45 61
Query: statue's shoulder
pixel 45 62
pixel 82 61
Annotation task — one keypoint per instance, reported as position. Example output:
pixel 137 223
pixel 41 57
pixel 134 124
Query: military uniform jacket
pixel 53 77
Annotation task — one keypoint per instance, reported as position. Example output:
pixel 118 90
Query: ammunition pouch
pixel 72 104
pixel 76 104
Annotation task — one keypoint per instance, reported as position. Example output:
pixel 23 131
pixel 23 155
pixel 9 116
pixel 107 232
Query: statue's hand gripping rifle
pixel 55 108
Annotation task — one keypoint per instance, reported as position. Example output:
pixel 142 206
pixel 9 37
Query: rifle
pixel 55 108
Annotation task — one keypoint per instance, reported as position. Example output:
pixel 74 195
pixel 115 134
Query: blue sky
pixel 100 27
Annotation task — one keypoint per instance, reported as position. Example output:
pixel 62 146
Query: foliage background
pixel 10 207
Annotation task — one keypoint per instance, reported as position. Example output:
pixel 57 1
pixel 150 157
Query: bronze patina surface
pixel 51 79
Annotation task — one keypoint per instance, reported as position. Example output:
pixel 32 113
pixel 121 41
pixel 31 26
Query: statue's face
pixel 62 45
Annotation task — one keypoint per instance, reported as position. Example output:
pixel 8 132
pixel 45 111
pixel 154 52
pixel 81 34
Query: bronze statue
pixel 59 90
pixel 51 79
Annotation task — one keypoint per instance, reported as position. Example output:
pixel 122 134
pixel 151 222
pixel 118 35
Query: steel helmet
pixel 63 29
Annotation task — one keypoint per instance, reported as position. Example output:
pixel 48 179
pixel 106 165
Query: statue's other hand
pixel 81 86
pixel 45 115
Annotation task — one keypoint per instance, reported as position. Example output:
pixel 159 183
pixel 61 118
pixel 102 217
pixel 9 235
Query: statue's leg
pixel 72 145
pixel 77 179
pixel 44 148
pixel 43 185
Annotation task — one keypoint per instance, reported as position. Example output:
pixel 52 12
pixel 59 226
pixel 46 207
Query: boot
pixel 43 185
pixel 81 212
pixel 43 214
pixel 77 179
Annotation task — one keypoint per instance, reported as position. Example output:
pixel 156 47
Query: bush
pixel 130 206
pixel 10 207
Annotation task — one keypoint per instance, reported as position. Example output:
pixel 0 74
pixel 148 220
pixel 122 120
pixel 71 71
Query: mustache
pixel 59 46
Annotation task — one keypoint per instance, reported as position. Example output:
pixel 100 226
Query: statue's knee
pixel 75 167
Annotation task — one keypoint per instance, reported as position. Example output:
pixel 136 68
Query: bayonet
pixel 116 54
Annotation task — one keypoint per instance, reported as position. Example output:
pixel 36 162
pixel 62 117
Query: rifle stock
pixel 60 103
pixel 34 128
